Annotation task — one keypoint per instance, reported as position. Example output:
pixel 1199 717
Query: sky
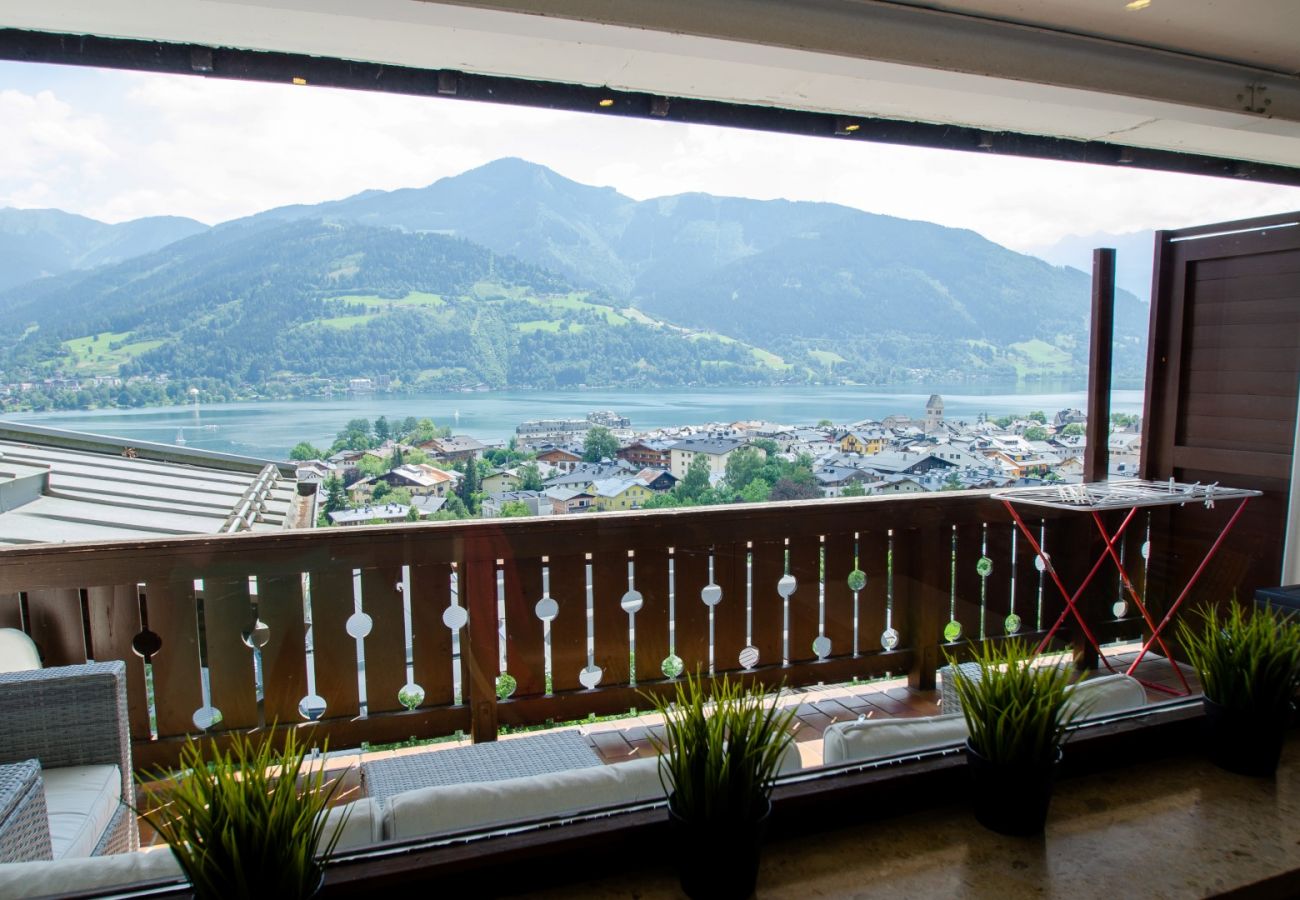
pixel 121 145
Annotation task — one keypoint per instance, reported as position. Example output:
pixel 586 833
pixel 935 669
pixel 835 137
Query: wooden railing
pixel 314 627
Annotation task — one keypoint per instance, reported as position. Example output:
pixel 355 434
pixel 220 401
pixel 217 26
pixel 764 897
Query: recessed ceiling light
pixel 298 80
pixel 1135 5
pixel 606 101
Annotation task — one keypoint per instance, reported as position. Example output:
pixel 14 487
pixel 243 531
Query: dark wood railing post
pixel 925 560
pixel 1101 351
pixel 478 581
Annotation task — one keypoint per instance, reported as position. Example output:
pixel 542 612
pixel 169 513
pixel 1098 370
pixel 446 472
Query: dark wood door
pixel 1222 377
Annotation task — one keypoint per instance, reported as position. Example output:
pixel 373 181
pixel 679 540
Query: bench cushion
pixel 81 801
pixel 883 738
pixel 96 873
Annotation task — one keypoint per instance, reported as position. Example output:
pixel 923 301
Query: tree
pixel 469 486
pixel 381 491
pixel 382 430
pixel 1074 429
pixel 756 491
pixel 789 489
pixel 767 445
pixel 412 514
pixel 408 426
pixel 696 481
pixel 743 466
pixel 514 509
pixel 854 488
pixel 599 444
pixel 1035 433
pixel 530 477
pixel 372 465
pixel 1003 421
pixel 1038 416
pixel 416 457
pixel 303 451
pixel 825 423
pixel 952 482
pixel 454 508
pixel 336 497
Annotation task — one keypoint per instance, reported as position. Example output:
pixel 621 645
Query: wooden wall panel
pixel 767 609
pixel 610 625
pixel 385 646
pixel 431 643
pixel 55 623
pixel 730 616
pixel 114 614
pixel 525 646
pixel 284 658
pixel 227 612
pixel 839 598
pixel 805 602
pixel 652 621
pixel 690 615
pixel 178 692
pixel 568 579
pixel 334 650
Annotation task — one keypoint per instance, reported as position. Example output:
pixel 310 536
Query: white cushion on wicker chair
pixel 883 738
pixel 95 873
pixel 363 826
pixel 18 652
pixel 1108 694
pixel 81 801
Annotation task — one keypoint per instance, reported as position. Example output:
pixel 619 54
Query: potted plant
pixel 1017 714
pixel 240 823
pixel 1248 664
pixel 720 754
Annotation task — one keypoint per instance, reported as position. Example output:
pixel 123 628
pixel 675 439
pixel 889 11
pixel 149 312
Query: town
pixel 414 470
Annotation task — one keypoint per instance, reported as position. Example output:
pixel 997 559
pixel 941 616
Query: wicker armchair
pixel 59 717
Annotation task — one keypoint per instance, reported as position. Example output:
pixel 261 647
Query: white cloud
pixel 215 150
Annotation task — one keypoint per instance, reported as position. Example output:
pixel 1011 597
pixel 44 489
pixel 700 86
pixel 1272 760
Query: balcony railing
pixel 292 626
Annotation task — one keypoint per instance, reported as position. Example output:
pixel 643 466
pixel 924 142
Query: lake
pixel 269 429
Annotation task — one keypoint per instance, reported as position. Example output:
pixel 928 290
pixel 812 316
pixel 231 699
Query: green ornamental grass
pixel 239 823
pixel 1245 661
pixel 1017 713
pixel 721 750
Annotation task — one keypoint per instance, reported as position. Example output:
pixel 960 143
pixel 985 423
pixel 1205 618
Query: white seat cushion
pixel 81 801
pixel 883 738
pixel 76 876
pixel 18 652
pixel 363 826
pixel 448 808
pixel 1108 695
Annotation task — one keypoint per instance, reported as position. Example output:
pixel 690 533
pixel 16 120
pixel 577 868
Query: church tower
pixel 934 413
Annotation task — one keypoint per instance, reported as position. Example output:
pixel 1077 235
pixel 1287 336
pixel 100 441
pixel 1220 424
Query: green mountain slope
pixel 271 301
pixel 39 242
pixel 889 295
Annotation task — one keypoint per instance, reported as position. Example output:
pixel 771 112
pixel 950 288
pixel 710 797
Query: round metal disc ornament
pixel 749 657
pixel 590 676
pixel 1146 549
pixel 952 631
pixel 256 635
pixel 711 594
pixel 984 568
pixel 785 587
pixel 546 609
pixel 889 639
pixel 455 617
pixel 632 601
pixel 1120 609
pixel 359 625
pixel 311 707
pixel 672 666
pixel 1011 623
pixel 857 580
pixel 1040 564
pixel 821 647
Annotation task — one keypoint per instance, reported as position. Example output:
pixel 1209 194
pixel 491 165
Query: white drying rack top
pixel 1123 494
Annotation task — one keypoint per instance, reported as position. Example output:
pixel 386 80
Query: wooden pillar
pixel 1096 457
pixel 926 562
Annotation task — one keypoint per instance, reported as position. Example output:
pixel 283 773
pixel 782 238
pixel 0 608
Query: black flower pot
pixel 1248 742
pixel 1011 799
pixel 718 862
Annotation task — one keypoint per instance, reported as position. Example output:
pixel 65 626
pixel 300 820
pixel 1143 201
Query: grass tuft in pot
pixel 1017 714
pixel 1248 663
pixel 247 822
pixel 720 755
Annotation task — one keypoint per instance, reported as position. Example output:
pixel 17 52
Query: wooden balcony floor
pixel 816 708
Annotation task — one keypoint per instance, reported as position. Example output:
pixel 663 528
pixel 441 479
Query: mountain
pixel 512 275
pixel 279 302
pixel 1134 255
pixel 844 292
pixel 35 243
